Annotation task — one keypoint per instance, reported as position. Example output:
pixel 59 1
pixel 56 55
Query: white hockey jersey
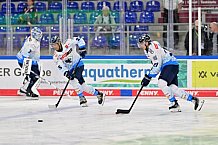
pixel 68 58
pixel 30 49
pixel 159 57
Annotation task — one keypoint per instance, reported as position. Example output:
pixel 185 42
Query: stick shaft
pixel 136 98
pixel 62 93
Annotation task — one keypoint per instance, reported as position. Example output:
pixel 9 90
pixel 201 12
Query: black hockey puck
pixel 40 120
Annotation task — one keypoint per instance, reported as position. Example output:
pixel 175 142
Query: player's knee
pixel 34 79
pixel 81 81
pixel 162 83
pixel 173 87
pixel 77 90
pixel 88 89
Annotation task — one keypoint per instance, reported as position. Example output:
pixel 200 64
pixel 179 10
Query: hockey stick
pixel 122 111
pixel 56 105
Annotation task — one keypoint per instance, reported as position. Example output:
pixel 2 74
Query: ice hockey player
pixel 31 50
pixel 166 64
pixel 66 58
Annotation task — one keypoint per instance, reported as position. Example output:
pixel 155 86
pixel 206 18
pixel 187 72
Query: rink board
pixel 116 76
pixel 113 92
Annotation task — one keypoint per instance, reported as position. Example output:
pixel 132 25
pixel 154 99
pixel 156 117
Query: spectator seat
pixel 55 6
pixel 146 17
pixel 20 7
pixel 136 6
pixel 130 17
pixel 13 9
pixel 72 5
pixel 47 18
pixel 102 3
pixel 153 6
pixel 100 41
pixel 117 6
pixel 40 6
pixel 88 5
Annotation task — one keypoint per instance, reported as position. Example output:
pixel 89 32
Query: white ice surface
pixel 149 123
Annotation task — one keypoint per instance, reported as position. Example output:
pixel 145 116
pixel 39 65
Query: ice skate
pixel 101 98
pixel 83 101
pixel 21 92
pixel 197 103
pixel 174 107
pixel 31 96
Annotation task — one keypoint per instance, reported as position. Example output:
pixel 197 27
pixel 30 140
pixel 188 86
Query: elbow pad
pixel 81 43
pixel 82 52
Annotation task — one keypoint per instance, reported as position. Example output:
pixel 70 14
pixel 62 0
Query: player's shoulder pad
pixel 77 39
pixel 68 43
pixel 81 43
pixel 156 42
pixel 155 45
pixel 31 43
pixel 28 39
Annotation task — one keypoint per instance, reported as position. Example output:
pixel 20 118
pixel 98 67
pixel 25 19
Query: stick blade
pixel 52 107
pixel 121 111
pixel 201 105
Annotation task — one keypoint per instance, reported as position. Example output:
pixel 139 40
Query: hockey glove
pixel 82 52
pixel 68 75
pixel 146 80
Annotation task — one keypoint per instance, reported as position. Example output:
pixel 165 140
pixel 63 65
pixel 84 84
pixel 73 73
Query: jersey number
pixel 155 64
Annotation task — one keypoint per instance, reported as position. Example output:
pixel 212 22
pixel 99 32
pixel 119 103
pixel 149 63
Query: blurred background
pixel 111 27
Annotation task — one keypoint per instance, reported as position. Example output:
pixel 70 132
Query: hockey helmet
pixel 144 38
pixel 36 33
pixel 54 39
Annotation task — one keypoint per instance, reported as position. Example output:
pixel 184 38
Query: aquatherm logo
pixel 115 72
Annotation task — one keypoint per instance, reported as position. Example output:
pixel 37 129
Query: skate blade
pixel 175 110
pixel 32 98
pixel 201 105
pixel 84 105
pixel 103 99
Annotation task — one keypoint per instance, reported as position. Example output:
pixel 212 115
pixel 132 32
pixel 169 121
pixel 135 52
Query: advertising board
pixel 115 77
